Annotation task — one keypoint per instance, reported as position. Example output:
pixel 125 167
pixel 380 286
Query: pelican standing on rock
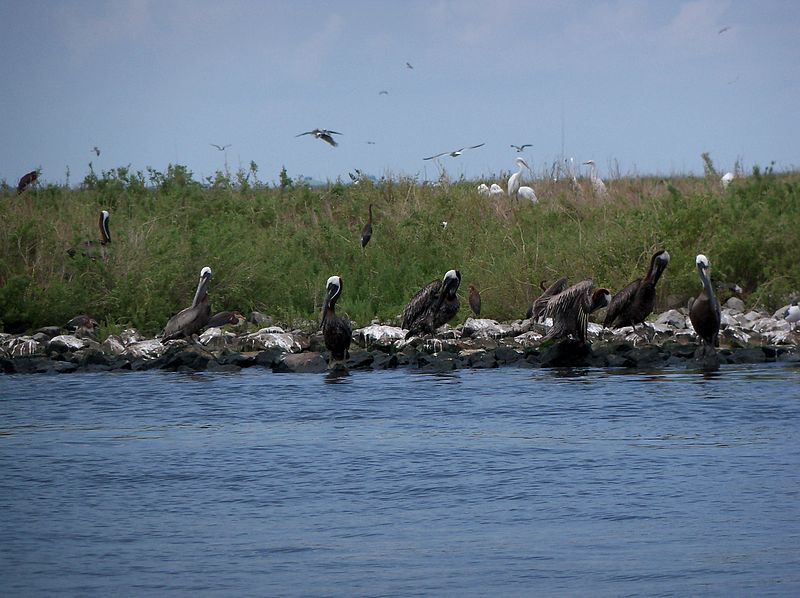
pixel 705 313
pixel 95 249
pixel 433 306
pixel 336 331
pixel 635 302
pixel 191 320
pixel 515 179
pixel 570 310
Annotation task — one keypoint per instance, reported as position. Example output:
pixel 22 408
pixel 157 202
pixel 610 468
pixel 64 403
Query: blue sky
pixel 642 87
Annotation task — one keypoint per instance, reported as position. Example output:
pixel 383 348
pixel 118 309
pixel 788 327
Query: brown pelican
pixel 570 310
pixel 221 148
pixel 635 302
pixel 520 148
pixel 191 320
pixel 224 318
pixel 366 232
pixel 433 306
pixel 95 249
pixel 537 308
pixel 705 312
pixel 336 331
pixel 26 180
pixel 455 153
pixel 323 134
pixel 474 300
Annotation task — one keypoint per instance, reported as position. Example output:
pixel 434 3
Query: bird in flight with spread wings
pixel 455 153
pixel 324 134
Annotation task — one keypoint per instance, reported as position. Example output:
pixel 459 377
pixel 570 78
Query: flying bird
pixel 724 29
pixel 366 232
pixel 26 180
pixel 409 66
pixel 96 150
pixel 705 313
pixel 191 320
pixel 336 331
pixel 455 153
pixel 221 148
pixel 570 310
pixel 383 92
pixel 433 306
pixel 474 300
pixel 520 148
pixel 324 134
pixel 635 302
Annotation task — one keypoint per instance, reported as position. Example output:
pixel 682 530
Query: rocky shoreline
pixel 669 341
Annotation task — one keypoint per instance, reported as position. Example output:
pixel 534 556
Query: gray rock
pixel 216 338
pixel 311 362
pixel 64 343
pixel 672 318
pixel 49 331
pixel 145 349
pixel 259 319
pixel 735 304
pixel 113 345
pixel 130 336
pixel 376 336
pixel 24 346
pixel 263 339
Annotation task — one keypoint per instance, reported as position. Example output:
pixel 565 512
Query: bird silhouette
pixel 96 150
pixel 409 66
pixel 221 148
pixel 519 148
pixel 323 134
pixel 455 153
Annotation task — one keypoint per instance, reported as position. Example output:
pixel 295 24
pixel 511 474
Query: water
pixel 484 482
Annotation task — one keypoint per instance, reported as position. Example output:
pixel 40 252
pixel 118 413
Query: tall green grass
pixel 272 248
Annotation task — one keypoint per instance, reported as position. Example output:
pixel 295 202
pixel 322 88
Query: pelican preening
pixel 520 148
pixel 598 186
pixel 570 310
pixel 632 304
pixel 704 312
pixel 95 249
pixel 26 180
pixel 537 308
pixel 324 134
pixel 366 232
pixel 336 331
pixel 433 306
pixel 221 148
pixel 474 300
pixel 455 153
pixel 191 320
pixel 515 179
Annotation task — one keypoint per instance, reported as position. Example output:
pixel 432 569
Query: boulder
pixel 380 337
pixel 672 318
pixel 66 343
pixel 735 304
pixel 264 339
pixel 310 362
pixel 113 345
pixel 150 349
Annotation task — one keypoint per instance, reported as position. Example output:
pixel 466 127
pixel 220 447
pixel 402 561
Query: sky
pixel 640 87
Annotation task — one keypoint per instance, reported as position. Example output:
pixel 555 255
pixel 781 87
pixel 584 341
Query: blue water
pixel 507 482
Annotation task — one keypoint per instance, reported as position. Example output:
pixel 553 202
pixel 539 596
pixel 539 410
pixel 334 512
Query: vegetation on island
pixel 272 247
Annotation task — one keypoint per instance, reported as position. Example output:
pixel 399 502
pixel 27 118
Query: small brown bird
pixel 474 300
pixel 366 232
pixel 27 180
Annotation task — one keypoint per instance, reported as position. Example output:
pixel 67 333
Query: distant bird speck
pixel 383 92
pixel 370 143
pixel 409 66
pixel 323 134
pixel 96 150
pixel 221 148
pixel 455 153
pixel 520 148
pixel 724 29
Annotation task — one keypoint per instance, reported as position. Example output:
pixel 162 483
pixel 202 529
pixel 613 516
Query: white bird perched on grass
pixel 598 186
pixel 726 179
pixel 515 179
pixel 483 189
pixel 496 190
pixel 528 193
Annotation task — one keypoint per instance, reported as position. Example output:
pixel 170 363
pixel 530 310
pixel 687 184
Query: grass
pixel 272 248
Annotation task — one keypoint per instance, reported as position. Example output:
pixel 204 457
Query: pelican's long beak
pixel 202 286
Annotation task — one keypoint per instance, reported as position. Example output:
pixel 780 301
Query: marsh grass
pixel 272 248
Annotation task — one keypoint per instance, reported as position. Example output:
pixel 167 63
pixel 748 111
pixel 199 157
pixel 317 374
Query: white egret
pixel 515 179
pixel 496 190
pixel 528 193
pixel 598 186
pixel 726 179
pixel 483 189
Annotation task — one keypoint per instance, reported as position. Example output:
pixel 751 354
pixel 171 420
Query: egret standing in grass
pixel 598 186
pixel 726 179
pixel 515 179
